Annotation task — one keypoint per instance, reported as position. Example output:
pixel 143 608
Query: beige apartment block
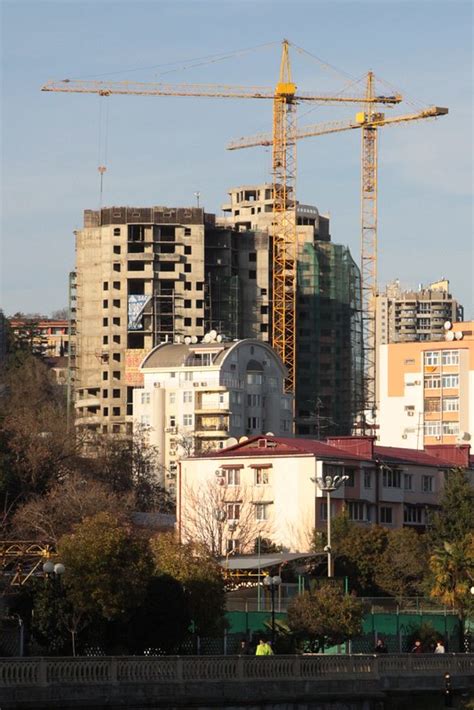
pixel 427 390
pixel 196 397
pixel 268 486
pixel 139 281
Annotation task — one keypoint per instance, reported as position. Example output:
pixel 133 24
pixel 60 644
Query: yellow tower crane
pixel 369 121
pixel 285 99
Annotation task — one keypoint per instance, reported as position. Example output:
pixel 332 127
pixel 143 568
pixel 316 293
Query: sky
pixel 162 150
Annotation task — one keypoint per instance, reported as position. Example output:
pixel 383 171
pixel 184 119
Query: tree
pixel 201 576
pixel 60 314
pixel 108 568
pixel 452 567
pixel 68 503
pixel 361 553
pixel 402 566
pixel 325 617
pixel 217 516
pixel 455 517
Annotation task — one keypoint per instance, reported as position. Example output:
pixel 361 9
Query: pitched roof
pixel 287 446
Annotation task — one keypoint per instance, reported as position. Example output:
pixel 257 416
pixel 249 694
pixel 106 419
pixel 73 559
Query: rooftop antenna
pixel 197 195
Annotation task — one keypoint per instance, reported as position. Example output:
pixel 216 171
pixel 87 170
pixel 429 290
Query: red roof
pixel 286 446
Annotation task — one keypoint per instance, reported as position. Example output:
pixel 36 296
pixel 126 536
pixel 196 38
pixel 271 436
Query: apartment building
pixel 139 281
pixel 47 336
pixel 427 390
pixel 196 396
pixel 404 316
pixel 268 486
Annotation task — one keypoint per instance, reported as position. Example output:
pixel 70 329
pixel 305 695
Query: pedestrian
pixel 244 649
pixel 263 648
pixel 380 647
pixel 440 647
pixel 417 648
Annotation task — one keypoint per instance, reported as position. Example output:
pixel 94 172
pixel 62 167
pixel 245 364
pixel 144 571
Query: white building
pixel 198 395
pixel 267 487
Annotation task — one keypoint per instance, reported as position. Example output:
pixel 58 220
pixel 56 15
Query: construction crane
pixel 369 121
pixel 285 98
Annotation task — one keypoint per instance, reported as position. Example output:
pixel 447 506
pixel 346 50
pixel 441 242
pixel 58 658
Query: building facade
pixel 427 390
pixel 268 487
pixel 196 396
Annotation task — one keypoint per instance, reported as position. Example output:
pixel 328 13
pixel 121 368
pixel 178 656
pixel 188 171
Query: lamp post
pixel 272 583
pixel 328 484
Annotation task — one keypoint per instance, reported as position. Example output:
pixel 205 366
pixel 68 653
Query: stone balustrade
pixel 175 669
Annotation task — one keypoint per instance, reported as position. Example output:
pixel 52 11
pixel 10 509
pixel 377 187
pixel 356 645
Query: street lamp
pixel 50 568
pixel 272 583
pixel 328 484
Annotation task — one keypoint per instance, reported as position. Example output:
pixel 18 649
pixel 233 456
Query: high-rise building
pixel 427 390
pixel 150 275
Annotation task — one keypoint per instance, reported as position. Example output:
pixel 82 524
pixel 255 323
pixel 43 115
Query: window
pixel 357 510
pixel 187 231
pixel 105 375
pixel 323 510
pixel 432 404
pixel 188 321
pixel 261 476
pixel 145 419
pixel 117 250
pixel 261 511
pixel 350 472
pixel 408 481
pixel 236 397
pixel 116 321
pixel 367 478
pixel 105 394
pixel 187 419
pixel 187 268
pixel 105 304
pixel 253 422
pixel 116 285
pixel 106 411
pixel 116 303
pixel 427 484
pixel 432 428
pixel 252 274
pixel 391 479
pixel 187 303
pixel 431 358
pixel 451 428
pixel 187 286
pixel 116 411
pixel 232 476
pixel 187 397
pixel 233 511
pixel 187 250
pixel 252 256
pixel 117 267
pixel 116 357
pixel 232 545
pixel 413 515
pixel 432 382
pixel 188 376
pixel 116 339
pixel 105 340
pixel 450 404
pixel 450 357
pixel 172 397
pixel 172 421
pixel 105 322
pixel 386 515
pixel 145 398
pixel 236 420
pixel 254 379
pixel 450 381
pixel 105 286
pixel 116 393
pixel 253 400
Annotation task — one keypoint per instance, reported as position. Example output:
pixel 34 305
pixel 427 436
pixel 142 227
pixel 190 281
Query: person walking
pixel 440 647
pixel 263 648
pixel 380 647
pixel 417 648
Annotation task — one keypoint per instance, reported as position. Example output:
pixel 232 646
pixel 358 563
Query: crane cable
pixel 102 148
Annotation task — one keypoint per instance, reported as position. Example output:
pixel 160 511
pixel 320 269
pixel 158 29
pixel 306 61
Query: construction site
pixel 266 269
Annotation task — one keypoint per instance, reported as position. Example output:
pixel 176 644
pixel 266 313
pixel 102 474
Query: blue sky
pixel 162 150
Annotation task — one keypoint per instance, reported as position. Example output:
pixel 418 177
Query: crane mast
pixel 368 250
pixel 284 239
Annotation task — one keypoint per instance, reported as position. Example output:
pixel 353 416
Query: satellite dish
pixel 449 335
pixel 194 339
pixel 242 439
pixel 231 441
pixel 459 335
pixel 447 325
pixel 177 339
pixel 207 338
pixel 187 340
pixel 213 334
pixel 465 436
pixel 219 338
pixel 269 433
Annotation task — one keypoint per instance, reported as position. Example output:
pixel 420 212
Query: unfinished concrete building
pixel 151 275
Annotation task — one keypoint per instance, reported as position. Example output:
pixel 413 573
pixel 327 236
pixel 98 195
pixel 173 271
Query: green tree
pixel 325 617
pixel 360 554
pixel 455 517
pixel 108 567
pixel 452 567
pixel 403 565
pixel 201 576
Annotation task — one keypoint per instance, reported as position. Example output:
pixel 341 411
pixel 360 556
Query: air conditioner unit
pixel 157 384
pixel 438 438
pixel 411 414
pixel 404 436
pixel 196 384
pixel 170 430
